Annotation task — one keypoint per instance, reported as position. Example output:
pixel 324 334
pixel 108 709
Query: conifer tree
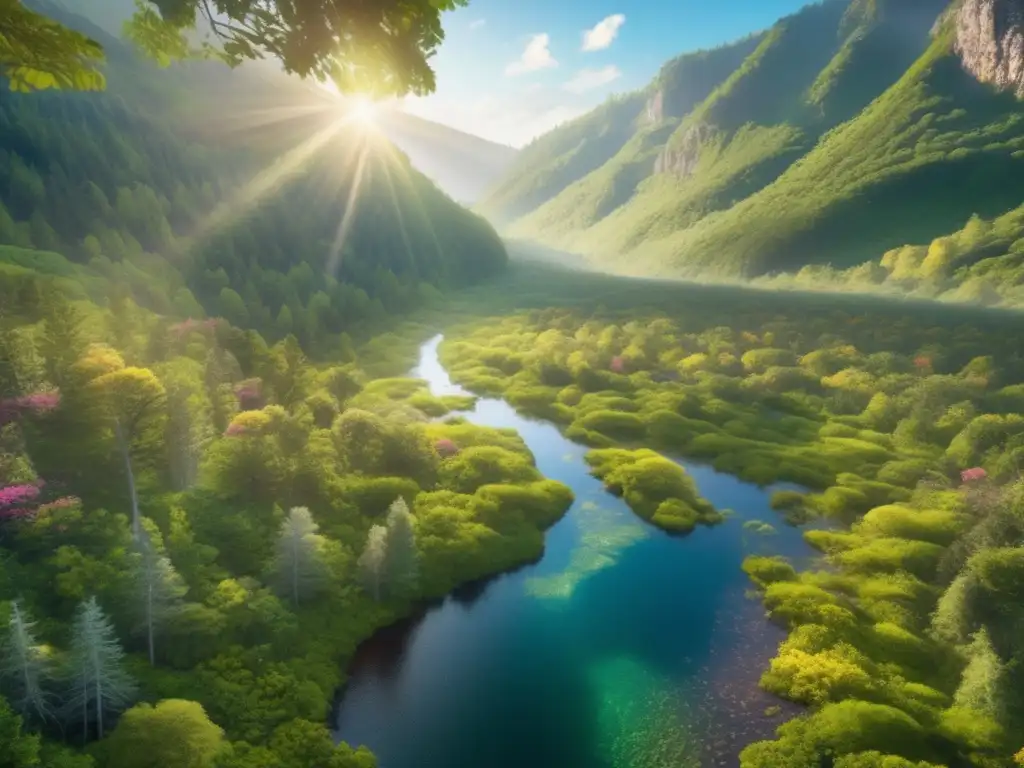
pixel 24 668
pixel 97 681
pixel 983 681
pixel 158 587
pixel 299 566
pixel 372 565
pixel 401 558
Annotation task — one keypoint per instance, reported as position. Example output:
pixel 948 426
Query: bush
pixel 937 526
pixel 646 480
pixel 764 571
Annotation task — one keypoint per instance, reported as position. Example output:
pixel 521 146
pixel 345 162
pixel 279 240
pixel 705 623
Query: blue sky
pixel 512 69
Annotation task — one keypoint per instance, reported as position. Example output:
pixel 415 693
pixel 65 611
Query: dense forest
pixel 902 425
pixel 194 519
pixel 216 480
pixel 844 131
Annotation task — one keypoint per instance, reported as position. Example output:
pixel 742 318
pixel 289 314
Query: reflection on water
pixel 621 648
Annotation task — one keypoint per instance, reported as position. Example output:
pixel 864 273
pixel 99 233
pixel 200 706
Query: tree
pixel 20 749
pixel 37 53
pixel 61 344
pixel 24 667
pixel 132 397
pixel 158 587
pixel 173 734
pixel 98 682
pixel 982 685
pixel 401 558
pixel 381 48
pixel 299 566
pixel 372 563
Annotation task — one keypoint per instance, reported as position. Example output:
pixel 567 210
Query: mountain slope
pixel 551 162
pixel 463 165
pixel 838 135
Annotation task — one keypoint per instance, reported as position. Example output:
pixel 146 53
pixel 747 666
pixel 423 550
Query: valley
pixel 695 442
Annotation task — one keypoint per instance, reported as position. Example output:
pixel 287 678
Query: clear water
pixel 623 647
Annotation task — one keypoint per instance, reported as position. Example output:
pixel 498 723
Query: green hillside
pixel 198 190
pixel 845 130
pixel 555 160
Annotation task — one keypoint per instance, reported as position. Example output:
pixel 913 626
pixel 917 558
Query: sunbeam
pixel 265 182
pixel 334 256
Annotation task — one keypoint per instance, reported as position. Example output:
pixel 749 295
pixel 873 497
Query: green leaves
pixel 380 48
pixel 38 54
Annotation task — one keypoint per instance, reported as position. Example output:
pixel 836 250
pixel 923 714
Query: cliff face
pixel 990 42
pixel 682 156
pixel 655 111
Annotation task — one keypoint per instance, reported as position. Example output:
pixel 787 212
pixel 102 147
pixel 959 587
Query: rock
pixel 655 109
pixel 682 154
pixel 990 42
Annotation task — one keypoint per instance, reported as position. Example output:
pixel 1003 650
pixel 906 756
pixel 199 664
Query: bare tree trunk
pixel 99 706
pixel 149 623
pixel 123 445
pixel 85 711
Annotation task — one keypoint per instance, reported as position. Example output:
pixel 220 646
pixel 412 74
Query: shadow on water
pixel 622 647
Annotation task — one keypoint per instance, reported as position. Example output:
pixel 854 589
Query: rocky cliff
pixel 682 155
pixel 990 42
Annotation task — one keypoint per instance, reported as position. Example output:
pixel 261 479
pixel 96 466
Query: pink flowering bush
pixel 37 404
pixel 190 325
pixel 445 448
pixel 64 502
pixel 249 394
pixel 18 495
pixel 618 365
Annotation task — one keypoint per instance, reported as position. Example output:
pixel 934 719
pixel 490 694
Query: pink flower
pixel 249 394
pixel 65 502
pixel 618 365
pixel 234 430
pixel 38 403
pixel 17 495
pixel 975 473
pixel 446 448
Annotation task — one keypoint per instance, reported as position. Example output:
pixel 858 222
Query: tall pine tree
pixel 299 566
pixel 25 670
pixel 97 681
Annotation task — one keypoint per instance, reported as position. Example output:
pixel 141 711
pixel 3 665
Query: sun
pixel 363 110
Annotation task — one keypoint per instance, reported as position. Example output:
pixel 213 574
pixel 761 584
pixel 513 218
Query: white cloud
pixel 601 36
pixel 475 25
pixel 588 79
pixel 535 56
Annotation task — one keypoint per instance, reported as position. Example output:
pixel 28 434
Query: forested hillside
pixel 243 195
pixel 845 130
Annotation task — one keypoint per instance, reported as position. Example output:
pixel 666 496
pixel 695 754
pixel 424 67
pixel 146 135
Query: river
pixel 622 647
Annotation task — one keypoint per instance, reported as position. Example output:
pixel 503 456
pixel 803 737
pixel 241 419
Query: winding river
pixel 622 647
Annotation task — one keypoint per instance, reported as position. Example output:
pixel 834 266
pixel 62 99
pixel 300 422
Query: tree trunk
pixel 149 622
pixel 99 707
pixel 123 445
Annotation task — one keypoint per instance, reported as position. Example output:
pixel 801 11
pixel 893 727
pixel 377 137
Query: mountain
pixel 847 129
pixel 463 165
pixel 244 194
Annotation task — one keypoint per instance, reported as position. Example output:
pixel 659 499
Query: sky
pixel 510 70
